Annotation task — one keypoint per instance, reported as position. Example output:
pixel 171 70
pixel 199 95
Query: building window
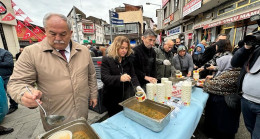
pixel 189 27
pixel 253 1
pixel 242 3
pixel 175 6
pixel 165 13
pixel 226 9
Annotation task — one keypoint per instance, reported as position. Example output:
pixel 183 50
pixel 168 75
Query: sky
pixel 36 9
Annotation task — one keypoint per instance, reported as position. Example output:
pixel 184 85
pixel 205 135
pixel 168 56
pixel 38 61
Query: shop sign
pixel 88 30
pixel 190 36
pixel 168 19
pixel 232 19
pixel 191 6
pixel 176 30
pixel 164 2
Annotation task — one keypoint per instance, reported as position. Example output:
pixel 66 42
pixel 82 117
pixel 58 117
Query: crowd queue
pixel 61 75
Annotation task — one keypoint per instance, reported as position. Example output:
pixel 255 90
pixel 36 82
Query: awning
pixel 202 24
pixel 233 18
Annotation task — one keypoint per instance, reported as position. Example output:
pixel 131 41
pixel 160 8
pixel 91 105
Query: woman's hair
pixel 115 46
pixel 223 46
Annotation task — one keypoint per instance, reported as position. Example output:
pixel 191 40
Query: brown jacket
pixel 66 87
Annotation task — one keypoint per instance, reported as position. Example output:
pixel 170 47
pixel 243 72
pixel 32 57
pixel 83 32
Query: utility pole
pixel 75 17
pixel 111 37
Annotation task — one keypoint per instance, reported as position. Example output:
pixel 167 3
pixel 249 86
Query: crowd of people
pixel 66 88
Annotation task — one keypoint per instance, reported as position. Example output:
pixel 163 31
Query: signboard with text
pixel 191 6
pixel 176 30
pixel 168 19
pixel 232 19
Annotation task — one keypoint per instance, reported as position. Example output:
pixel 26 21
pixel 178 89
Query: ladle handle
pixel 37 102
pixel 133 86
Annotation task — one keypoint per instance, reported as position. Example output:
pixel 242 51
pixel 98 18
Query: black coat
pixel 197 59
pixel 144 63
pixel 116 91
pixel 208 54
pixel 6 64
pixel 240 59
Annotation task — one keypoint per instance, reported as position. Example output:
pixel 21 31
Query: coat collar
pixel 75 47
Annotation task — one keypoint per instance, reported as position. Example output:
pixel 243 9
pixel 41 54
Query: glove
pixel 139 89
pixel 166 62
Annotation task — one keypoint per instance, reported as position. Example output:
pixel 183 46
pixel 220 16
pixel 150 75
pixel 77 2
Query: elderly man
pixel 61 69
pixel 163 58
pixel 145 58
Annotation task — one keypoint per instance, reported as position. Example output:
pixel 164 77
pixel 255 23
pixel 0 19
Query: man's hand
pixel 93 102
pixel 150 79
pixel 28 99
pixel 166 62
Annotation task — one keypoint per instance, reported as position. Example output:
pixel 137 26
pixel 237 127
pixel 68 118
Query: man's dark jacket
pixel 144 63
pixel 6 64
pixel 240 59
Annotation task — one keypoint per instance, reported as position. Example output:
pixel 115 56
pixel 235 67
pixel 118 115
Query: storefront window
pixel 251 28
pixel 230 33
pixel 239 35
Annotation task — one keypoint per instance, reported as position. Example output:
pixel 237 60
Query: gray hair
pixel 49 15
pixel 149 32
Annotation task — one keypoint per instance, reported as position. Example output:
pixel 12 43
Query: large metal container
pixel 150 123
pixel 80 124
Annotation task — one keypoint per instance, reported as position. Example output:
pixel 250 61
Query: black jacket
pixel 197 59
pixel 6 64
pixel 144 63
pixel 240 59
pixel 208 54
pixel 114 90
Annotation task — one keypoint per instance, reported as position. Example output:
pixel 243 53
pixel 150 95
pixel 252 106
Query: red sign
pixel 191 6
pixel 233 19
pixel 168 19
pixel 8 17
pixel 190 36
pixel 164 2
pixel 2 9
pixel 88 30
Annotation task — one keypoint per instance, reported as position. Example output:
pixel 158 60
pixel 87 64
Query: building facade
pixel 87 30
pixel 205 19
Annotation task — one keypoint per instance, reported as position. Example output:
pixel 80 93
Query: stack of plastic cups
pixel 164 79
pixel 168 89
pixel 160 95
pixel 186 92
pixel 150 90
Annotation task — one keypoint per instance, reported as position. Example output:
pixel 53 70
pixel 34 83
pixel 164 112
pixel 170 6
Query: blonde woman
pixel 118 75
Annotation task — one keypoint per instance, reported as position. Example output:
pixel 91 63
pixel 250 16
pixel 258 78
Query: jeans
pixel 251 113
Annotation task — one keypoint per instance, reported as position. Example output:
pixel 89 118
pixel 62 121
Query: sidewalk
pixel 27 123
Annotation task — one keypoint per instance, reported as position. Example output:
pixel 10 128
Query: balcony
pixel 205 6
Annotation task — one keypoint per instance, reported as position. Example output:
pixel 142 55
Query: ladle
pixel 50 119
